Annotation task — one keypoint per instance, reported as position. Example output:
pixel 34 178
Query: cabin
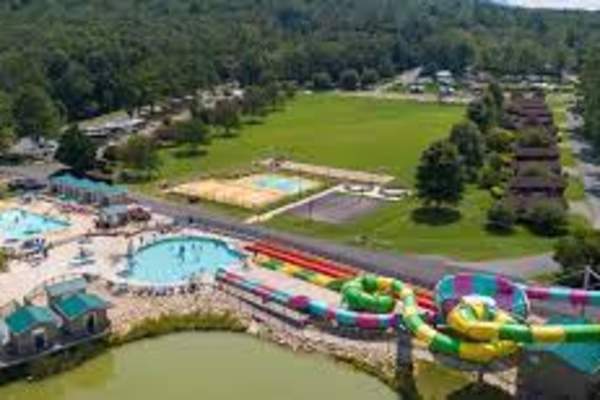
pixel 547 158
pixel 83 314
pixel 527 111
pixel 113 216
pixel 526 191
pixel 31 330
pixel 560 370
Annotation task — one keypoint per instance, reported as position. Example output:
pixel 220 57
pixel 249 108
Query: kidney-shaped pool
pixel 177 259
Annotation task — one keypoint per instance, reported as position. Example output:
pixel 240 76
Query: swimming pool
pixel 286 184
pixel 177 259
pixel 17 224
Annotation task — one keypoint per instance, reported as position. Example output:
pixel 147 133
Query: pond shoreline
pixel 136 319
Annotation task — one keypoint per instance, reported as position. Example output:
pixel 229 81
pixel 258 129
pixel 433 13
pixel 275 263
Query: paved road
pixel 422 270
pixel 588 167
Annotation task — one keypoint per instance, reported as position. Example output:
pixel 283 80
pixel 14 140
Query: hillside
pixel 94 56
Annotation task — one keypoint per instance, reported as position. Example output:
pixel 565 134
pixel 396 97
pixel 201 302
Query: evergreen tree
pixel 34 113
pixel 470 144
pixel 76 150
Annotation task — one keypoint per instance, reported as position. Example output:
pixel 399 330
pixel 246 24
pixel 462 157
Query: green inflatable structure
pixel 364 294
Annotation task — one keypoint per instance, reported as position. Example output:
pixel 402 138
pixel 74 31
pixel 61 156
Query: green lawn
pixel 367 134
pixel 394 228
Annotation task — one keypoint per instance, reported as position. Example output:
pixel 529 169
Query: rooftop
pixel 87 185
pixel 26 318
pixel 79 304
pixel 66 287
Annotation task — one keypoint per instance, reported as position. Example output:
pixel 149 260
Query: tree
pixel 495 172
pixel 322 81
pixel 590 89
pixel 193 133
pixel 34 113
pixel 349 79
pixel 547 218
pixel 479 112
pixel 369 77
pixel 440 175
pixel 254 102
pixel 76 150
pixel 575 252
pixel 226 115
pixel 499 140
pixel 501 217
pixel 470 144
pixel 6 122
pixel 139 153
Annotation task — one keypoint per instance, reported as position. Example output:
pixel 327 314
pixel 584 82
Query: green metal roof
pixel 66 287
pixel 88 185
pixel 79 304
pixel 26 318
pixel 584 357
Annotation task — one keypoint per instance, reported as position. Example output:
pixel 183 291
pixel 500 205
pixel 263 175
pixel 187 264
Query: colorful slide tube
pixel 512 298
pixel 317 265
pixel 295 271
pixel 307 305
pixel 325 269
pixel 409 317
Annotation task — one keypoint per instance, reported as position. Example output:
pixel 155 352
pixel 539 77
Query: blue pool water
pixel 16 224
pixel 177 259
pixel 284 184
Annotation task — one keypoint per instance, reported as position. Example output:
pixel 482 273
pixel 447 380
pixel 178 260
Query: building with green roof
pixel 32 329
pixel 87 191
pixel 561 370
pixel 65 288
pixel 83 314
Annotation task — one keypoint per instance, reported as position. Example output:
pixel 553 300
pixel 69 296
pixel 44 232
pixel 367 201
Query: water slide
pixel 324 268
pixel 484 313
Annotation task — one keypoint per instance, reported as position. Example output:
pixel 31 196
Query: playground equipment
pixel 481 317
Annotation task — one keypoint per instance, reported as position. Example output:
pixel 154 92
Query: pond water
pixel 210 366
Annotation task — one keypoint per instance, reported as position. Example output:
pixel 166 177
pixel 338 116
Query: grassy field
pixel 400 227
pixel 367 134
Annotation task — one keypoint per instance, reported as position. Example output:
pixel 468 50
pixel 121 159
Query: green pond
pixel 215 366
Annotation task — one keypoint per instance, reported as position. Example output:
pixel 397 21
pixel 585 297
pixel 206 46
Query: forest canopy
pixel 94 56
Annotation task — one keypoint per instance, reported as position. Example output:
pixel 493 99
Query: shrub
pixel 499 140
pixel 322 81
pixel 501 217
pixel 349 79
pixel 497 191
pixel 547 218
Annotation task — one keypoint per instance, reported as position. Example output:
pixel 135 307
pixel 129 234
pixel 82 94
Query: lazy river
pixel 215 366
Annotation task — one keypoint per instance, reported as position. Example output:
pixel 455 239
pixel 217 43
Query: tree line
pixel 79 58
